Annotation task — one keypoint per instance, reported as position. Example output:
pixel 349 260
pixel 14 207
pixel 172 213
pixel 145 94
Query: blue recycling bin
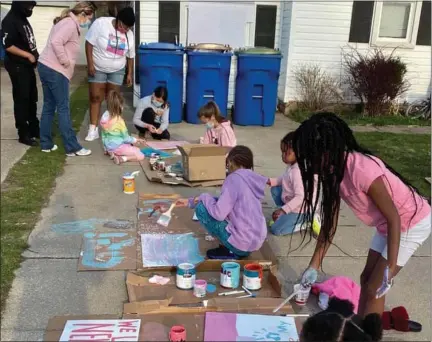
pixel 161 64
pixel 207 80
pixel 256 87
pixel 2 50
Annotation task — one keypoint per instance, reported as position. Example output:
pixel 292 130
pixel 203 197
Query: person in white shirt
pixel 110 52
pixel 152 114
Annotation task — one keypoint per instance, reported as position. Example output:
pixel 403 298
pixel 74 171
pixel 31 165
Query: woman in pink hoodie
pixel 56 67
pixel 219 130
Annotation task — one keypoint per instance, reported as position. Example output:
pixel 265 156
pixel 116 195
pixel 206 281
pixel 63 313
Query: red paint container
pixel 177 334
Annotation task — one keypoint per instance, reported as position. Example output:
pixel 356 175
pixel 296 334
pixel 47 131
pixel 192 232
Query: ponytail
pixel 64 14
pixel 86 7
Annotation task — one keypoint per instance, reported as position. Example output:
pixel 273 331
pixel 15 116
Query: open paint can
pixel 177 334
pixel 129 182
pixel 185 276
pixel 302 294
pixel 230 275
pixel 252 276
pixel 200 288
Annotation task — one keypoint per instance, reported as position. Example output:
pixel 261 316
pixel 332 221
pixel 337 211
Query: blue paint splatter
pixel 211 288
pixel 94 259
pixel 77 227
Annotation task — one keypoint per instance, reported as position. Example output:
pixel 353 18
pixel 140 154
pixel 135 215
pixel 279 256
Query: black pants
pixel 25 97
pixel 148 116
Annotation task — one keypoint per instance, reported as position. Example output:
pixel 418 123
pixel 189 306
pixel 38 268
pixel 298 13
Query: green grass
pixel 408 154
pixel 357 119
pixel 25 192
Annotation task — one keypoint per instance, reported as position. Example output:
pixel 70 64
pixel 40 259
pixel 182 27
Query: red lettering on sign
pixel 90 337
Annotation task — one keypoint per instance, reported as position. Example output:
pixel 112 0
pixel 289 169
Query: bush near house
pixel 376 79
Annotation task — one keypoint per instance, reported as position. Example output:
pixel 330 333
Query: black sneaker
pixel 28 141
pixel 222 253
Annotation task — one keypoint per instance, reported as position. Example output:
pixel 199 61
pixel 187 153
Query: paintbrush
pixel 165 218
pixel 285 301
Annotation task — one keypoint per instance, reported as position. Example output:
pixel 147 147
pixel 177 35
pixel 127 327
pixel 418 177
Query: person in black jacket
pixel 20 62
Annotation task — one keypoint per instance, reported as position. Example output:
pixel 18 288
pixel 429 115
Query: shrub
pixel 317 88
pixel 375 79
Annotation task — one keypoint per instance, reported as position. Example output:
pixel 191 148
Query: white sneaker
pixel 93 133
pixel 81 153
pixel 52 149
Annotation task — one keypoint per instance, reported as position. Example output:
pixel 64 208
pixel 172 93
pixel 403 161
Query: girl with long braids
pixel 236 217
pixel 380 197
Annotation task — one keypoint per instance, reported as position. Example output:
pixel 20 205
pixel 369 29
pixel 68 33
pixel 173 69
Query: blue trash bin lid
pixel 161 46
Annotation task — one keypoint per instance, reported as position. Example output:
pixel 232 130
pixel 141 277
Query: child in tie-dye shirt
pixel 115 136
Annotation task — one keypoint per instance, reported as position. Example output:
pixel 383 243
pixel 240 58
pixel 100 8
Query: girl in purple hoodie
pixel 236 217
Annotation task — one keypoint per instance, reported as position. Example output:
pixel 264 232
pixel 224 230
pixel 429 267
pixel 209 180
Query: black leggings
pixel 148 116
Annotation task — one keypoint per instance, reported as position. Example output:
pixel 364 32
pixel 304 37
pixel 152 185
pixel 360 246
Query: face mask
pixel 85 25
pixel 210 125
pixel 28 12
pixel 156 104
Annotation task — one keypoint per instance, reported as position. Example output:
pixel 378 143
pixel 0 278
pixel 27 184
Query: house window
pixel 395 24
pixel 400 24
pixel 169 21
pixel 265 26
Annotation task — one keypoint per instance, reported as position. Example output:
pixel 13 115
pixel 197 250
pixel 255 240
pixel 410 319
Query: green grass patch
pixel 408 154
pixel 25 192
pixel 357 119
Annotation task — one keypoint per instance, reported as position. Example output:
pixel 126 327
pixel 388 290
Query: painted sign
pixel 101 330
pixel 108 251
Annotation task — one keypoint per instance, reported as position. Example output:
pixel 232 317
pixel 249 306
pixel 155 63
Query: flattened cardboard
pixel 181 223
pixel 203 162
pixel 156 327
pixel 160 177
pixel 113 250
pixel 140 289
pixel 56 324
pixel 220 304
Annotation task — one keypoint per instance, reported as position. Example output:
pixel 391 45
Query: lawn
pixel 356 119
pixel 408 154
pixel 25 192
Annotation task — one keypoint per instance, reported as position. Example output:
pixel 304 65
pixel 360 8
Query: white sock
pixel 92 127
pixel 124 159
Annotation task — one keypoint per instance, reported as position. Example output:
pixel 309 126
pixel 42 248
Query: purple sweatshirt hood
pixel 254 181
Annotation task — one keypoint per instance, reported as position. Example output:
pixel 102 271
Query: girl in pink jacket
pixel 219 130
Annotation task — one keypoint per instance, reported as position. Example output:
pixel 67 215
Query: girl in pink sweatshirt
pixel 219 130
pixel 288 194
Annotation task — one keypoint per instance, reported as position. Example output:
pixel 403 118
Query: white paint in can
pixel 252 283
pixel 185 276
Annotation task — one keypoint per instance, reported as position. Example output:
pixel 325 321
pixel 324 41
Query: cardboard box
pixel 203 162
pixel 140 289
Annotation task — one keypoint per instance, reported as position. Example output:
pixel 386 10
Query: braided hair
pixel 126 16
pixel 339 323
pixel 241 156
pixel 321 144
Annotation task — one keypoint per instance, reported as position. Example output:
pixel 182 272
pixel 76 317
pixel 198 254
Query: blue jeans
pixel 216 229
pixel 56 96
pixel 286 223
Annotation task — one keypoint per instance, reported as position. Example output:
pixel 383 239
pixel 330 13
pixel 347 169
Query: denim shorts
pixel 116 77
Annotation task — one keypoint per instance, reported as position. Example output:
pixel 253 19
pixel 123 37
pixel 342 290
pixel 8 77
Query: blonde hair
pixel 84 6
pixel 115 103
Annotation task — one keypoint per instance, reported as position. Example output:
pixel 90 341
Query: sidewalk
pixel 11 150
pixel 48 283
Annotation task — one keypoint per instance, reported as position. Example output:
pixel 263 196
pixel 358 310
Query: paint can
pixel 129 182
pixel 177 334
pixel 252 276
pixel 200 287
pixel 230 275
pixel 302 294
pixel 154 157
pixel 185 276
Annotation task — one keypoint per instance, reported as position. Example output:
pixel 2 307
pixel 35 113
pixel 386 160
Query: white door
pixel 229 23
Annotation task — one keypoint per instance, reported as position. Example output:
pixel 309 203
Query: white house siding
pixel 319 31
pixel 285 30
pixel 149 32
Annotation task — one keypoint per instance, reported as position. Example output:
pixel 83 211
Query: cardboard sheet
pixel 182 223
pixel 159 177
pixel 140 289
pixel 166 145
pixel 102 251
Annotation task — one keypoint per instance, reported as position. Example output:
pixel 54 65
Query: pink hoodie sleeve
pixel 207 137
pixel 276 181
pixel 61 34
pixel 296 183
pixel 227 136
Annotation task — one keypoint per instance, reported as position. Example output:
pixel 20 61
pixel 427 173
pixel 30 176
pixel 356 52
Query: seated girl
pixel 236 217
pixel 339 323
pixel 219 130
pixel 287 192
pixel 152 114
pixel 115 137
